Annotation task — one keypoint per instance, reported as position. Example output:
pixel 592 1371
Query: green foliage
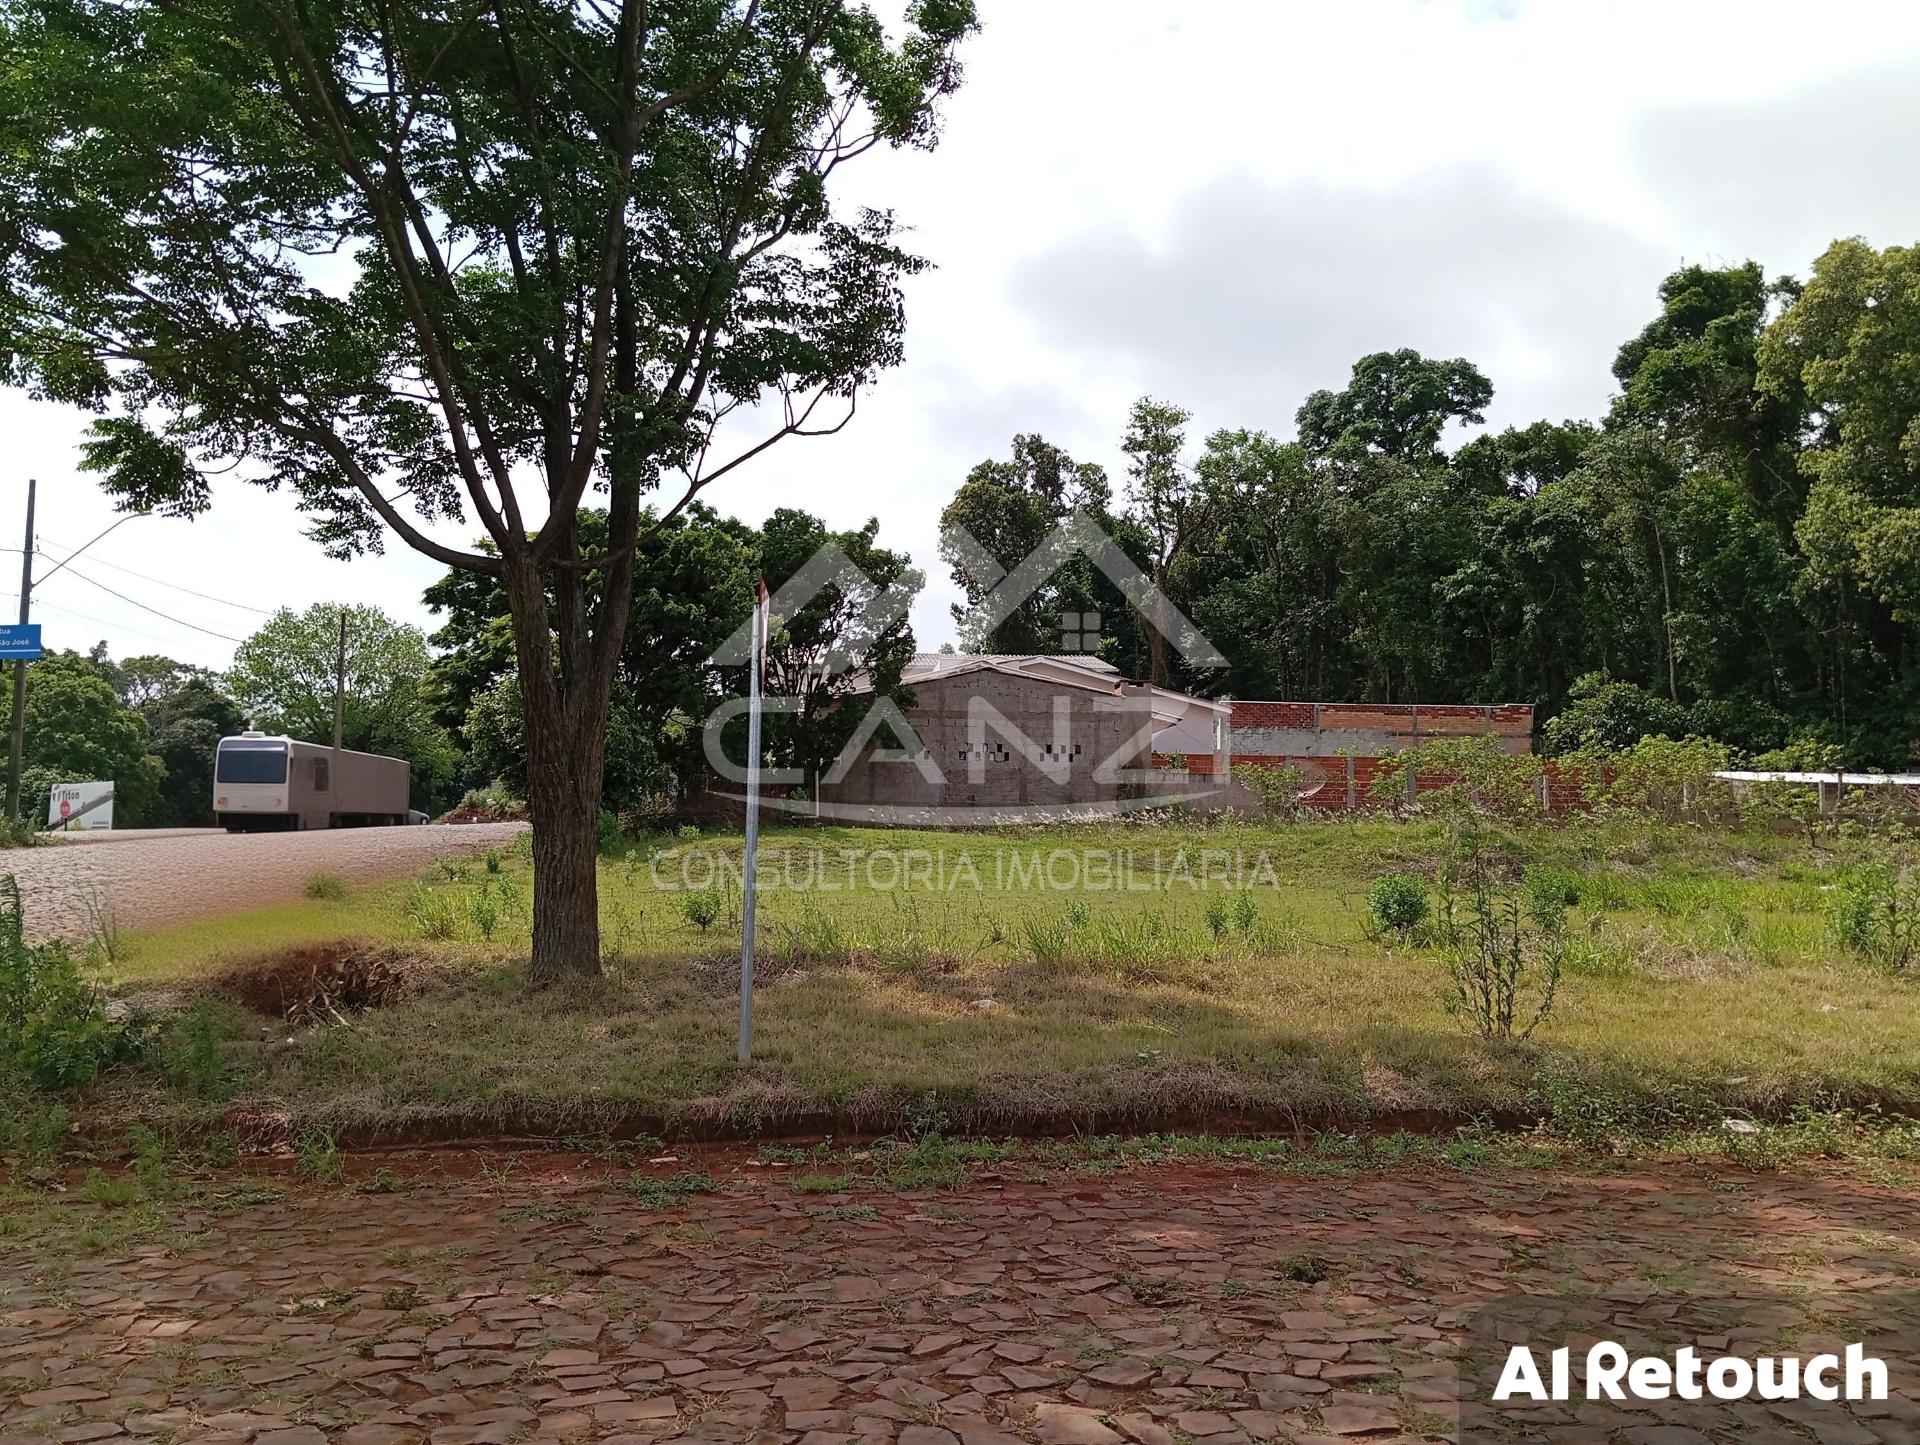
pixel 1397 403
pixel 325 888
pixel 55 1031
pixel 1463 781
pixel 1875 914
pixel 608 836
pixel 1505 950
pixel 1667 778
pixel 78 730
pixel 701 906
pixel 192 1054
pixel 317 1156
pixel 1278 788
pixel 652 1193
pixel 1552 890
pixel 1397 903
pixel 284 676
pixel 434 912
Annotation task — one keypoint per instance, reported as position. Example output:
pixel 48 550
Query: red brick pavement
pixel 1151 1305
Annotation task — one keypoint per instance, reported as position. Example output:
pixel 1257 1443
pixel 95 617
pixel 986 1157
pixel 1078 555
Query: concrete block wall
pixel 989 770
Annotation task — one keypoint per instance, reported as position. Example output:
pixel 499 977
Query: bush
pixel 326 888
pixel 1552 891
pixel 54 1028
pixel 1499 945
pixel 1876 915
pixel 1397 903
pixel 608 834
pixel 701 907
pixel 1279 789
pixel 1466 779
pixel 1671 780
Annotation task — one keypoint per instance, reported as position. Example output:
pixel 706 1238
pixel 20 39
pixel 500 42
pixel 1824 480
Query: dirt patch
pixel 321 983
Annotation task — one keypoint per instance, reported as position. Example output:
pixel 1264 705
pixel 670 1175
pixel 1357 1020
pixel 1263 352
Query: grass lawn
pixel 1180 976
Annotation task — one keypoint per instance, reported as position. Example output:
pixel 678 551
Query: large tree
pixel 412 260
pixel 78 730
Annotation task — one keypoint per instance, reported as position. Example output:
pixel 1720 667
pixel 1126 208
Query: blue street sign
pixel 19 641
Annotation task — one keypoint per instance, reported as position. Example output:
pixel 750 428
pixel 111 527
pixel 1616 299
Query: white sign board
pixel 80 807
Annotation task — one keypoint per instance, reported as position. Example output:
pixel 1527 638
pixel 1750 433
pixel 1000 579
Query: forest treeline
pixel 1733 549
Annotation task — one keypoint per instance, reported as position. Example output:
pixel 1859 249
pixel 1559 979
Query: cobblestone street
pixel 541 1298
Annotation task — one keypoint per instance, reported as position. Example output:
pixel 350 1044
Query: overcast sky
pixel 1223 210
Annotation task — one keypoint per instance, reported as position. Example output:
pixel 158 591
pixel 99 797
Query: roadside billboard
pixel 80 807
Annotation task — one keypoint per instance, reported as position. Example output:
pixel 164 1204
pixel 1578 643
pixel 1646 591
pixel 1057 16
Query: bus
pixel 263 783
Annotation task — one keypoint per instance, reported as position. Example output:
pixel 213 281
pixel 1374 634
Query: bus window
pixel 251 763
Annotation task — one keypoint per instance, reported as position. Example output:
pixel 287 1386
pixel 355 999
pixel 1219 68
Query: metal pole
pixel 750 873
pixel 16 745
pixel 339 721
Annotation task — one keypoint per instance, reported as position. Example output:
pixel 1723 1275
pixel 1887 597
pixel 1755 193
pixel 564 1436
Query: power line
pixel 165 616
pixel 162 582
pixel 66 611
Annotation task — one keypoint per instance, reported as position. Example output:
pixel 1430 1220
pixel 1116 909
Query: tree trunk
pixel 565 705
pixel 563 796
pixel 565 879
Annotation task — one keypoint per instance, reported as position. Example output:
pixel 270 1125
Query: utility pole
pixel 339 714
pixel 17 743
pixel 340 688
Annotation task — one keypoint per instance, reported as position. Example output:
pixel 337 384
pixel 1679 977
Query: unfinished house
pixel 1018 736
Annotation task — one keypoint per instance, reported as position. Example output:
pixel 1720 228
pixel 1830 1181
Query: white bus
pixel 280 784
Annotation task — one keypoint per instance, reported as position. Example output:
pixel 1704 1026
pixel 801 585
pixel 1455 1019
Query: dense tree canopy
pixel 78 730
pixel 1734 549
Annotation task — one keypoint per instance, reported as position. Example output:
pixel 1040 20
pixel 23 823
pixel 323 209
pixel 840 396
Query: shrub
pixel 54 1029
pixel 484 909
pixel 1217 918
pixel 326 888
pixel 191 1056
pixel 701 906
pixel 1499 946
pixel 1397 903
pixel 1466 779
pixel 1278 788
pixel 1876 915
pixel 608 834
pixel 1246 913
pixel 1552 891
pixel 1671 780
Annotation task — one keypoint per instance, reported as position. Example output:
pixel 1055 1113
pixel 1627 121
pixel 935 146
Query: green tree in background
pixel 78 730
pixel 1398 403
pixel 185 725
pixel 283 677
pixel 700 572
pixel 1009 508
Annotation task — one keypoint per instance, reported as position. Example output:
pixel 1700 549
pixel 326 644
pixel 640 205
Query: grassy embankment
pixel 1702 981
